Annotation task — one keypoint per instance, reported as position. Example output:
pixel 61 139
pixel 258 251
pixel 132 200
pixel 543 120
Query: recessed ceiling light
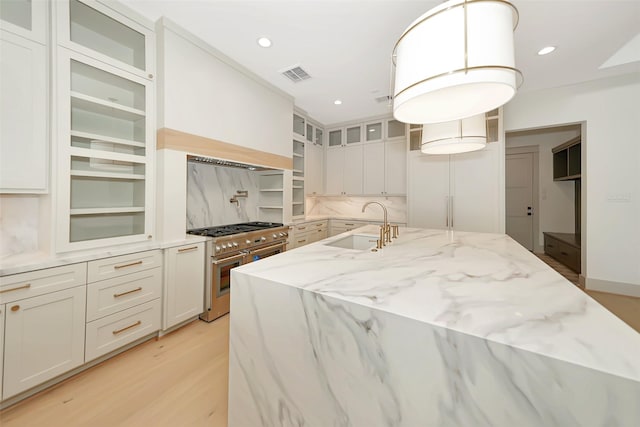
pixel 264 42
pixel 546 50
pixel 337 102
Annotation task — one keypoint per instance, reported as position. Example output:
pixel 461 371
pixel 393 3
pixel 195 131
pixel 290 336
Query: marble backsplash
pixel 351 207
pixel 19 224
pixel 209 189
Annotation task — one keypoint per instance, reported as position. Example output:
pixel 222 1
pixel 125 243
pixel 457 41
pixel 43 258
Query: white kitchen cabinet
pixel 26 18
pixel 299 176
pixel 2 316
pixel 308 232
pixel 343 174
pixel 44 337
pixel 184 283
pixel 24 138
pixel 460 192
pixel 106 152
pixel 107 33
pixel 395 130
pixel 385 168
pixel 314 159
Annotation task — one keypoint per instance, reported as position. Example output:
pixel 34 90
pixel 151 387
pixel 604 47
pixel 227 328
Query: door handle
pixel 529 210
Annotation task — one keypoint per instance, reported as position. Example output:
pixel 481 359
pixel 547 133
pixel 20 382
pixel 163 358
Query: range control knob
pixel 275 236
pixel 235 245
pixel 285 234
pixel 224 246
pixel 248 242
pixel 263 238
pixel 280 234
pixel 217 248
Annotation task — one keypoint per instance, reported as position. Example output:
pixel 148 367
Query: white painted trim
pixel 166 24
pixel 611 287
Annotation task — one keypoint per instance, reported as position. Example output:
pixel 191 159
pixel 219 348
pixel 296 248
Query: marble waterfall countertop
pixel 478 293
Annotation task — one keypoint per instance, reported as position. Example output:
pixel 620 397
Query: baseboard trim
pixel 620 288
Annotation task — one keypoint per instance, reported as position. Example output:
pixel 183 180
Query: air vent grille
pixel 296 74
pixel 382 99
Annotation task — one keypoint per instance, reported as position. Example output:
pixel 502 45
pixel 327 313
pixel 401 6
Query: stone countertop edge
pixel 22 263
pixel 480 284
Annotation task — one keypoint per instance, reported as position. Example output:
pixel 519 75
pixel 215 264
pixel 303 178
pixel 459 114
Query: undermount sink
pixel 360 242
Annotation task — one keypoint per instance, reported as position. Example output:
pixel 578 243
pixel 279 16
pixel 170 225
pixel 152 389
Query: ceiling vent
pixel 296 74
pixel 382 99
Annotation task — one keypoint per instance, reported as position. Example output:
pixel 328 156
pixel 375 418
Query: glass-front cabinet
pixel 93 29
pixel 105 133
pixel 297 182
pixel 26 18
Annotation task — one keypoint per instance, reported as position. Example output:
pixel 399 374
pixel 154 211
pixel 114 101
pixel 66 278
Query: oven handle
pixel 231 258
pixel 268 248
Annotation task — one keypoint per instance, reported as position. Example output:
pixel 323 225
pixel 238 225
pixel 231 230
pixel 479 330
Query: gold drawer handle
pixel 118 331
pixel 27 286
pixel 15 308
pixel 117 267
pixel 348 224
pixel 302 228
pixel 128 292
pixel 187 249
pixel 301 241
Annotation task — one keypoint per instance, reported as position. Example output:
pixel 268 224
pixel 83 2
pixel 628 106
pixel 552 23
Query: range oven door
pixel 217 293
pixel 258 254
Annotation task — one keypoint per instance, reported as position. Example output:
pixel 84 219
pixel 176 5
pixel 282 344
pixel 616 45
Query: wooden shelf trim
pixel 200 145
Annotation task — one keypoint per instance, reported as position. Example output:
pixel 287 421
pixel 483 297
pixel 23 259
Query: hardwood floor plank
pixel 180 379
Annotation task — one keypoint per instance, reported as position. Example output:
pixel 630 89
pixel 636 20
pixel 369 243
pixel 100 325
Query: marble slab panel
pixel 351 207
pixel 19 224
pixel 209 189
pixel 324 361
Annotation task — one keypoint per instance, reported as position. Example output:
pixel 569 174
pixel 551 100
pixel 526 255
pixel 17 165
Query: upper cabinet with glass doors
pixel 105 130
pixel 93 29
pixel 26 18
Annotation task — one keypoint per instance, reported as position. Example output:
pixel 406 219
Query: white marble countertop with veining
pixel 21 263
pixel 481 284
pixel 311 218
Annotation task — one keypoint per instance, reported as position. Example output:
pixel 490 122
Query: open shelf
pixel 270 207
pixel 95 138
pixel 89 226
pixel 107 108
pixel 105 211
pixel 274 190
pixel 297 155
pixel 109 175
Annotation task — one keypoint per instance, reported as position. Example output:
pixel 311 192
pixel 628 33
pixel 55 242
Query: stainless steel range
pixel 230 246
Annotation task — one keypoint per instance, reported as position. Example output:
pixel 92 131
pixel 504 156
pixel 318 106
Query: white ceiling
pixel 346 45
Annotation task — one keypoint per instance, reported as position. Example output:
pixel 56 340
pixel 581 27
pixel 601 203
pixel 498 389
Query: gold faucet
pixel 385 229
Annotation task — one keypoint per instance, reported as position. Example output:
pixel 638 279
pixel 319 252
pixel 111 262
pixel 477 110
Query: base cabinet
pixel 184 283
pixel 44 337
pixel 2 311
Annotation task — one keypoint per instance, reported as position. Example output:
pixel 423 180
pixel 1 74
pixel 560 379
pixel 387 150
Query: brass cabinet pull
pixel 118 331
pixel 117 267
pixel 187 249
pixel 128 292
pixel 348 224
pixel 302 228
pixel 15 308
pixel 301 241
pixel 27 286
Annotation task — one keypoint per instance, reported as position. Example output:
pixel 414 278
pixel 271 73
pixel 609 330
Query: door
pixel 519 198
pixel 258 254
pixel 396 167
pixel 2 309
pixel 334 168
pixel 373 159
pixel 428 190
pixel 185 283
pixel 218 291
pixel 352 169
pixel 475 190
pixel 44 337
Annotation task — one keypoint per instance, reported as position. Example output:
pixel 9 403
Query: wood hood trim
pixel 200 145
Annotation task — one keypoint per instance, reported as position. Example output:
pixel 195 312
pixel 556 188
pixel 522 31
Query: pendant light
pixel 457 136
pixel 455 61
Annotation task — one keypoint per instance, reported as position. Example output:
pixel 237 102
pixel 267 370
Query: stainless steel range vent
pixel 296 74
pixel 225 163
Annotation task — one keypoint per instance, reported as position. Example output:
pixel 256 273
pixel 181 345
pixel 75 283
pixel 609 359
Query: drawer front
pixel 113 295
pixel 310 226
pixel 108 268
pixel 566 254
pixel 316 235
pixel 40 282
pixel 112 332
pixel 300 241
pixel 348 225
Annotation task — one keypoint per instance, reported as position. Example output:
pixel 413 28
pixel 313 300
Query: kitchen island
pixel 439 328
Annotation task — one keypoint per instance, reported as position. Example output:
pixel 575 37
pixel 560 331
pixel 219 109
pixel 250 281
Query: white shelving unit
pixel 297 181
pixel 105 128
pixel 271 198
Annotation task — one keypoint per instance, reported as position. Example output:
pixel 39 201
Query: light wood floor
pixel 179 380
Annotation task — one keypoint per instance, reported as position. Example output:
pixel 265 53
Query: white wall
pixel 204 93
pixel 611 189
pixel 555 198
